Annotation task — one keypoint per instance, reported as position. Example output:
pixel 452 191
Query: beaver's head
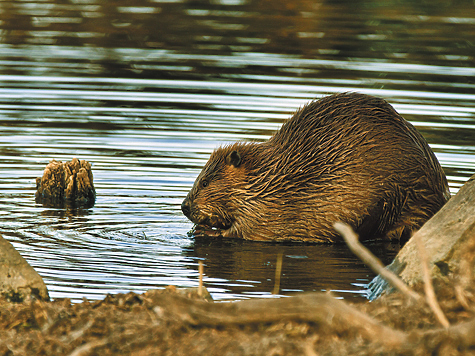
pixel 214 197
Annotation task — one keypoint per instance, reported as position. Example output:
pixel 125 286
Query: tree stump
pixel 68 184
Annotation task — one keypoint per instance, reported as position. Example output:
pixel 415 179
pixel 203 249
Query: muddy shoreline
pixel 165 322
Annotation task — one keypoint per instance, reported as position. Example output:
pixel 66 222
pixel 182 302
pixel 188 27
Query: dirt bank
pixel 164 322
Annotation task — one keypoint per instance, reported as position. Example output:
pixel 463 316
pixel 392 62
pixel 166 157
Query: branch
pixel 373 262
pixel 428 287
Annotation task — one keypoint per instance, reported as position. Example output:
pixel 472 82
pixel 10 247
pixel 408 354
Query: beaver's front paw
pixel 201 231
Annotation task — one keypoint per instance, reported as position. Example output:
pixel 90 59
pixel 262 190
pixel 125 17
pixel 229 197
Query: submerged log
pixel 443 237
pixel 18 280
pixel 68 184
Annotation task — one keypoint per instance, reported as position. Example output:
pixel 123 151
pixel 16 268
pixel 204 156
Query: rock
pixel 18 280
pixel 68 184
pixel 444 236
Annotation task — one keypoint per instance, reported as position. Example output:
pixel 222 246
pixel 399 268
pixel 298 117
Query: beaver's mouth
pixel 212 222
pixel 211 225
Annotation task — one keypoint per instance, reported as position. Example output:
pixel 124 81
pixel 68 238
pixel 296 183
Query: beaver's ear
pixel 233 159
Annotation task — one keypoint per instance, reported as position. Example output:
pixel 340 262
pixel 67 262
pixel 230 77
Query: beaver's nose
pixel 186 207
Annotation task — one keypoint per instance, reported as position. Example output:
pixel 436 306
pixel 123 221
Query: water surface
pixel 145 90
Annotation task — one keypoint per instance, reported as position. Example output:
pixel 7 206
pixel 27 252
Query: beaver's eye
pixel 204 183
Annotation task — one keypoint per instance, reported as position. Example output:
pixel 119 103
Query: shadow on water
pixel 305 267
pixel 145 90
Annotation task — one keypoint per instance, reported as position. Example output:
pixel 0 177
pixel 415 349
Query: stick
pixel 201 270
pixel 373 262
pixel 428 287
pixel 86 349
pixel 278 271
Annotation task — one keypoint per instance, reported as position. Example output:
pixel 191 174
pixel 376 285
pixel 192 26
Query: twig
pixel 201 270
pixel 371 261
pixel 460 295
pixel 278 271
pixel 428 287
pixel 86 349
pixel 76 334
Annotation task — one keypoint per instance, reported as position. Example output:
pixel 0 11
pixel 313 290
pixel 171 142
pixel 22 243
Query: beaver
pixel 347 157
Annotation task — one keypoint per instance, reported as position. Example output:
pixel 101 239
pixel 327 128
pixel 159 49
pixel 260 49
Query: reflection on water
pixel 145 90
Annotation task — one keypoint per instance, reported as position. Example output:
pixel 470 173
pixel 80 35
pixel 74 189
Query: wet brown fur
pixel 347 157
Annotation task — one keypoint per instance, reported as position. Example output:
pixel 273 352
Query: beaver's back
pixel 356 159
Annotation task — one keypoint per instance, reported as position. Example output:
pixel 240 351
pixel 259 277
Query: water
pixel 145 90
